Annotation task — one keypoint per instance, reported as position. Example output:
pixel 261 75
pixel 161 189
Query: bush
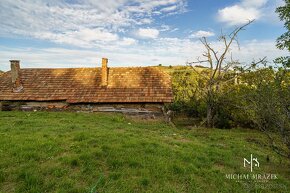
pixel 257 101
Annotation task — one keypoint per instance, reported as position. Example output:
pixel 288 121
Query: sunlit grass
pixel 84 152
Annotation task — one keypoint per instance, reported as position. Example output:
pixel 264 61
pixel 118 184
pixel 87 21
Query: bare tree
pixel 221 71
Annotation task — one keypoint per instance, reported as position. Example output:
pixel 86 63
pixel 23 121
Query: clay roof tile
pixel 83 85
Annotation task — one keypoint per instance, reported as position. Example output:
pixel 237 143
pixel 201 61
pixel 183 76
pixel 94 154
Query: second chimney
pixel 16 76
pixel 104 75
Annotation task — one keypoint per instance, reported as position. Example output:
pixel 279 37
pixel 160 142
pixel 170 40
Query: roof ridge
pixel 57 68
pixel 88 68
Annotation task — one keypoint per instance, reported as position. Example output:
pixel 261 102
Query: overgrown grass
pixel 79 152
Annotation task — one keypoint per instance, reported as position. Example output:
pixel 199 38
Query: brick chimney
pixel 104 75
pixel 16 76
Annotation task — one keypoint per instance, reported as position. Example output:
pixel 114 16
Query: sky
pixel 78 33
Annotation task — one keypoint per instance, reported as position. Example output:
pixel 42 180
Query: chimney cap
pixel 14 60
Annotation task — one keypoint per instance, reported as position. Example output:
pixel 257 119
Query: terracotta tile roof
pixel 76 85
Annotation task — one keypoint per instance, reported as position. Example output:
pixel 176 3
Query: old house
pixel 121 89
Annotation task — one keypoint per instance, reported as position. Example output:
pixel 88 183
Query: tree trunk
pixel 210 107
pixel 209 115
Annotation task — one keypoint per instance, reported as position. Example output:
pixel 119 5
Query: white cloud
pixel 242 12
pixel 150 33
pixel 254 3
pixel 82 38
pixel 103 29
pixel 167 51
pixel 201 33
pixel 94 34
pixel 159 7
pixel 84 23
pixel 236 15
pixel 128 41
pixel 270 15
pixel 144 21
pixel 169 9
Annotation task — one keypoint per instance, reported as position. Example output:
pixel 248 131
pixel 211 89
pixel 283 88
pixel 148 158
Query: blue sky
pixel 78 33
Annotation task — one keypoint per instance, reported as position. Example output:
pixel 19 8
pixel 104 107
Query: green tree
pixel 264 99
pixel 187 98
pixel 283 42
pixel 267 98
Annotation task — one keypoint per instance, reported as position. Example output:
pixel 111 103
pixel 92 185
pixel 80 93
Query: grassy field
pixel 81 152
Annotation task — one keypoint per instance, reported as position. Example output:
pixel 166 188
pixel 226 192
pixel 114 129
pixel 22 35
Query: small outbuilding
pixel 117 89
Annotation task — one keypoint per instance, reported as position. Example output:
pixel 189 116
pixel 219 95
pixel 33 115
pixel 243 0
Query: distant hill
pixel 172 69
pixel 1 72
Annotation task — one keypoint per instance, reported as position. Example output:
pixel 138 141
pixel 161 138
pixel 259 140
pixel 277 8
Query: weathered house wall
pixel 137 109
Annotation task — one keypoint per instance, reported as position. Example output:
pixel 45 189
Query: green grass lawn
pixel 84 152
